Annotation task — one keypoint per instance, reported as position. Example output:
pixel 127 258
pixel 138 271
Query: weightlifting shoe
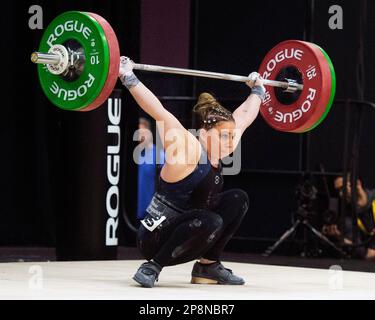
pixel 214 273
pixel 147 274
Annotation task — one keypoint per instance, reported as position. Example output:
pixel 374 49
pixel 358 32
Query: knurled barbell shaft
pixel 48 58
pixel 215 75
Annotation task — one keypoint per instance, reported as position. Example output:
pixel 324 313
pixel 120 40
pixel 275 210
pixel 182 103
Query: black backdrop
pixel 225 36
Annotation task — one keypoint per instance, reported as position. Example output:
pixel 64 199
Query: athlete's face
pixel 220 139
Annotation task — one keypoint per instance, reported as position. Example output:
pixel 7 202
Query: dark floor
pixel 16 254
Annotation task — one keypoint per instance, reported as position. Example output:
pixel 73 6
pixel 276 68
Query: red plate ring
pixel 114 64
pixel 313 100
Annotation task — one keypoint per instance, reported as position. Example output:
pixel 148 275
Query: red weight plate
pixel 311 63
pixel 114 64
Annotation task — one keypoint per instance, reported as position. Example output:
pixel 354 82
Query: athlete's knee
pixel 209 225
pixel 207 221
pixel 241 199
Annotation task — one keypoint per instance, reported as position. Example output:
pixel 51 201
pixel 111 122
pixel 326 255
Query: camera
pixel 306 194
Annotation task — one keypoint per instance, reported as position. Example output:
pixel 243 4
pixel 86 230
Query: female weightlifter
pixel 189 216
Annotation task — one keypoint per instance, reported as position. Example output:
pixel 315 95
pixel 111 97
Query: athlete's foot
pixel 147 274
pixel 214 273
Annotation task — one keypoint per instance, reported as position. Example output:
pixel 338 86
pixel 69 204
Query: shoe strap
pixel 152 266
pixel 220 264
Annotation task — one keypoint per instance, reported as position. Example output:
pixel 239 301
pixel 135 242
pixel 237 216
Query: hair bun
pixel 205 101
pixel 208 111
pixel 205 98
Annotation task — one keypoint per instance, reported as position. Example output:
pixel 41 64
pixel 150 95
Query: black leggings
pixel 197 233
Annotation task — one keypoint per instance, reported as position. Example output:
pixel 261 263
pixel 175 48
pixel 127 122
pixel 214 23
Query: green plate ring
pixel 333 89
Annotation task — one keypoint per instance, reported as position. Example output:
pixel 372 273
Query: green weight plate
pixel 79 92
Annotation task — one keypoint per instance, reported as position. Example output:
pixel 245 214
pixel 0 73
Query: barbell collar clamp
pixel 292 86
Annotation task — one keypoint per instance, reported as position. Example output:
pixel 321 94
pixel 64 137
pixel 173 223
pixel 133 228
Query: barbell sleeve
pixel 214 75
pixel 45 58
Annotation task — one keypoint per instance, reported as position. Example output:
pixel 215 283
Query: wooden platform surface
pixel 113 280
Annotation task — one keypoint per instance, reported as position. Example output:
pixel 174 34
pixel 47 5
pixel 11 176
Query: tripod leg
pixel 324 238
pixel 285 236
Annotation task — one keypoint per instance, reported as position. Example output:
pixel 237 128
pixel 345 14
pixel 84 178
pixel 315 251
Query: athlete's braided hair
pixel 208 112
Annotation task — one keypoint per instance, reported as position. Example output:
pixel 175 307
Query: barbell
pixel 78 63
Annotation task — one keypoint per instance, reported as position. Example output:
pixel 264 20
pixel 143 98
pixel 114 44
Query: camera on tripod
pixel 312 202
pixel 306 194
